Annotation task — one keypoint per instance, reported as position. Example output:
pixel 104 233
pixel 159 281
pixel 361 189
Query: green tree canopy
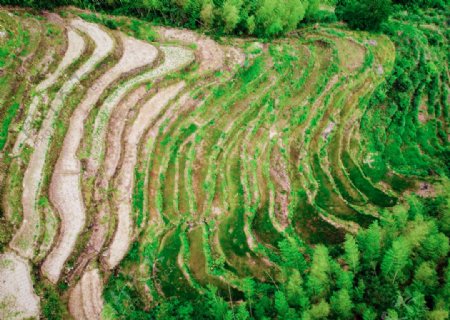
pixel 364 14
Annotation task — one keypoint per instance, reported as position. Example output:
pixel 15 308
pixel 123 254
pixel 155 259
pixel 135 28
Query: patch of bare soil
pixel 328 129
pixel 426 190
pixel 211 54
pixel 86 302
pixel 53 17
pixel 17 297
pixel 74 50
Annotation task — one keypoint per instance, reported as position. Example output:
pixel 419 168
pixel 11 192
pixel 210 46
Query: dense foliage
pixel 363 14
pixel 397 269
pixel 262 17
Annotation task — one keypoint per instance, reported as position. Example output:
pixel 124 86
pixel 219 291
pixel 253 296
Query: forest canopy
pixel 262 18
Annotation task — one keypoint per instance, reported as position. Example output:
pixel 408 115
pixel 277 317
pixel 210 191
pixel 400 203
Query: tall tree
pixel 230 14
pixel 294 290
pixel 351 253
pixel 207 13
pixel 369 242
pixel 320 310
pixel 395 259
pixel 291 255
pixel 342 304
pixel 275 17
pixel 281 304
pixel 318 280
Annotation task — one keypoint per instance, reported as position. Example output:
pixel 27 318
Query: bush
pixel 424 3
pixel 364 14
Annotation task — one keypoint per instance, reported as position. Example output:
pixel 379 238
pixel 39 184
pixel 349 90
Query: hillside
pixel 156 172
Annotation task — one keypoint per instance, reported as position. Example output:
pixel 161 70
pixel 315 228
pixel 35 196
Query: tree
pixel 207 14
pixel 392 315
pixel 369 242
pixel 152 4
pixel 251 24
pixel 437 315
pixel 318 281
pixel 294 291
pixel 425 277
pixel 248 285
pixel 342 304
pixel 364 14
pixel 351 255
pixel 320 310
pixel 344 280
pixel 276 17
pixel 242 312
pixel 395 259
pixel 269 23
pixel 435 247
pixel 416 307
pixel 369 313
pixel 291 255
pixel 294 12
pixel 313 8
pixel 216 305
pixel 281 304
pixel 185 311
pixel 230 14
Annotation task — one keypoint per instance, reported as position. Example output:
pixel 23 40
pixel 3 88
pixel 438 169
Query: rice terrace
pixel 224 159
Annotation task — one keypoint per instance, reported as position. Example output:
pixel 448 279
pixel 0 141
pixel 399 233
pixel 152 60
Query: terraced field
pixel 172 163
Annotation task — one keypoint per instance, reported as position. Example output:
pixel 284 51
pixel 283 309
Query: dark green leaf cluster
pixel 364 14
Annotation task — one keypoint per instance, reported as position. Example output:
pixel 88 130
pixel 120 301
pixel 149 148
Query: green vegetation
pixel 373 273
pixel 364 14
pixel 302 175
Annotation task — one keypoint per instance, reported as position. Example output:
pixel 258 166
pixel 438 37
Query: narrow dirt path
pixel 25 238
pixel 112 157
pixel 85 301
pixel 125 177
pixel 76 303
pixel 25 133
pixel 74 50
pixel 17 297
pixel 174 59
pixel 65 190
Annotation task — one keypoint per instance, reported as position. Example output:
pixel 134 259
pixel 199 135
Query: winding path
pixel 24 240
pixel 125 178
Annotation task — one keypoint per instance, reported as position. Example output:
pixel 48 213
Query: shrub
pixel 364 14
